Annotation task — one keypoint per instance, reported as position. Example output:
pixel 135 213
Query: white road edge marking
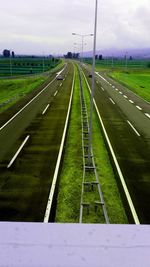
pixel 31 100
pixel 133 128
pixel 52 189
pixel 147 115
pixel 55 93
pixel 45 109
pixel 112 101
pixel 131 101
pixel 133 211
pixel 18 151
pixel 139 107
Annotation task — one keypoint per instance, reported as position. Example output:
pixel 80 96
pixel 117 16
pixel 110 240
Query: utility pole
pixel 93 81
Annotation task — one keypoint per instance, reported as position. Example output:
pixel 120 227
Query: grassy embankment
pixel 137 81
pixel 69 194
pixel 12 90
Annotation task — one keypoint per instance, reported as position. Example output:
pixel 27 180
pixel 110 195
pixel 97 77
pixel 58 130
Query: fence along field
pixel 24 66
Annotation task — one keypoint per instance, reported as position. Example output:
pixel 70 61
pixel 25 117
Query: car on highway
pixel 59 77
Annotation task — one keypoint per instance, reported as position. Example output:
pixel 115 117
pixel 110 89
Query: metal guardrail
pixel 92 201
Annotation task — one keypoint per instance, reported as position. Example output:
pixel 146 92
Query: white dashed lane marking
pixel 45 109
pixel 147 115
pixel 55 93
pixel 132 102
pixel 112 101
pixel 139 107
pixel 133 128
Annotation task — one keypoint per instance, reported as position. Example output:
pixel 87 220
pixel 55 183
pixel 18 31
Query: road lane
pixel 132 151
pixel 15 126
pixel 24 187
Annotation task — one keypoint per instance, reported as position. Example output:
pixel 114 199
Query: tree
pixel 6 53
pixel 130 58
pixel 69 55
pixel 13 54
pixel 100 57
pixel 96 56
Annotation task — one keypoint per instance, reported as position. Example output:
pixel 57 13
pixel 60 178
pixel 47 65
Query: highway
pixel 127 122
pixel 30 137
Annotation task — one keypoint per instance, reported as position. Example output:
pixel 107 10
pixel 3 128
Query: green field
pixel 137 81
pixel 26 65
pixel 71 176
pixel 118 63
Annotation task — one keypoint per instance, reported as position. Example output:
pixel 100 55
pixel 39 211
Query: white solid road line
pixel 55 93
pixel 147 115
pixel 139 107
pixel 131 101
pixel 132 208
pixel 18 151
pixel 45 109
pixel 30 101
pixel 52 189
pixel 133 128
pixel 112 101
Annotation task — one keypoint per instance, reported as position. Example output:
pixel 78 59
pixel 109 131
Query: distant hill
pixel 135 53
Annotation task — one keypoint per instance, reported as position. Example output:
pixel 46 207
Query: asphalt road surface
pixel 30 138
pixel 126 118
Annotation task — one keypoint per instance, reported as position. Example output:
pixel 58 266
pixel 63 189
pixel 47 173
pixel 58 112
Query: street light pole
pixel 82 40
pixel 93 81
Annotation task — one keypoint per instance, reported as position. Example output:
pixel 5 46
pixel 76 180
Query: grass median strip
pixel 69 195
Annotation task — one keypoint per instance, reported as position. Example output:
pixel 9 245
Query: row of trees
pixel 8 53
pixel 72 55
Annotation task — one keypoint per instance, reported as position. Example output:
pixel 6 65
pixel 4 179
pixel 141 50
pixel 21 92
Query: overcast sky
pixel 45 26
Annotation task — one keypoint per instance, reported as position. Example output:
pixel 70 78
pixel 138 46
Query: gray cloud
pixel 34 26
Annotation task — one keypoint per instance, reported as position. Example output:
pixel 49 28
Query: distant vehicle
pixel 59 77
pixel 90 75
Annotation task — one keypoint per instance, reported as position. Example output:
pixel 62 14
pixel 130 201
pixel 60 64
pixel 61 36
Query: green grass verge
pixel 137 81
pixel 69 192
pixel 12 90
